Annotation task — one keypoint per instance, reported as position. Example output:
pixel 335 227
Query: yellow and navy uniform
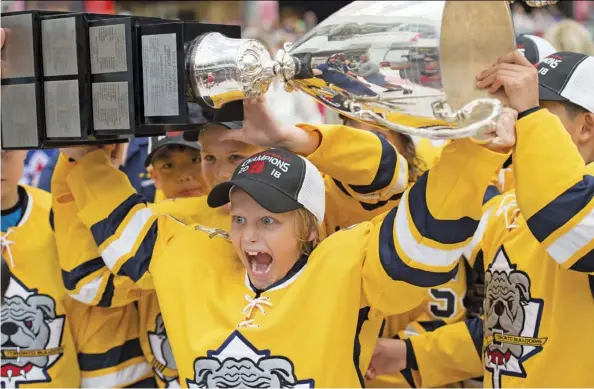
pixel 363 174
pixel 448 356
pixel 447 304
pixel 377 163
pixel 212 311
pixel 537 244
pixel 48 339
pixel 443 304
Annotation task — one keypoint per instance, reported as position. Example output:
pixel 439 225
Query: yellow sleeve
pixel 362 165
pixel 449 354
pixel 84 274
pixel 122 225
pixel 421 241
pixel 555 190
pixel 108 346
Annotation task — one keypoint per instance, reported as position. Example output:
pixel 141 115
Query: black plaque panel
pixel 66 76
pixel 23 117
pixel 112 76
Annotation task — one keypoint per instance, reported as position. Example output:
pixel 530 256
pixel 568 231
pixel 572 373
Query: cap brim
pixel 188 144
pixel 266 195
pixel 546 94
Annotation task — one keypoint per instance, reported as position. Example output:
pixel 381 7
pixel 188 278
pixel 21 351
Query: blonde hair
pixel 306 223
pixel 569 35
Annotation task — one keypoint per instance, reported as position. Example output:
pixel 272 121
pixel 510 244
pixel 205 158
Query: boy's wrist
pixel 302 142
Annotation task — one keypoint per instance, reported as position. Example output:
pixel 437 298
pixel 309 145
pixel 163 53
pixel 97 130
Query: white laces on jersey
pixel 258 302
pixel 5 244
pixel 505 206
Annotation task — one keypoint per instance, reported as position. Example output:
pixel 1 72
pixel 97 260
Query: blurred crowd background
pixel 568 25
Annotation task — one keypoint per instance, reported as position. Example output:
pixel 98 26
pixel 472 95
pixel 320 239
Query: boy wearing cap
pixel 537 244
pixel 175 166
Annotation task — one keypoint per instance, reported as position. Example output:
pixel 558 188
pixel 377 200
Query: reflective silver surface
pixel 225 69
pixel 380 62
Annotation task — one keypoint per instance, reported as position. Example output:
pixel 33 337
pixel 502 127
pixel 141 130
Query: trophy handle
pixel 537 3
pixel 476 129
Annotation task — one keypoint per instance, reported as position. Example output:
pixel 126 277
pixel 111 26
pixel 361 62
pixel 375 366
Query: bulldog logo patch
pixel 31 336
pixel 238 364
pixel 512 320
pixel 164 364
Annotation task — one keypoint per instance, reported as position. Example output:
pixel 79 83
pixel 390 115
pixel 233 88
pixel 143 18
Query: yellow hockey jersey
pixel 374 264
pixel 348 205
pixel 537 247
pixel 48 339
pixel 355 192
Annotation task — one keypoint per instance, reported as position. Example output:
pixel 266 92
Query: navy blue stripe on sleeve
pixel 107 227
pixel 113 357
pixel 491 192
pixel 73 277
pixel 385 172
pixel 558 212
pixel 396 268
pixel 475 328
pixel 341 187
pixel 379 204
pixel 145 383
pixel 431 326
pixel 107 297
pixel 138 265
pixel 442 231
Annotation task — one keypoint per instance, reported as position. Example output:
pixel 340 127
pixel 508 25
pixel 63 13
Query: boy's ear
pixel 587 130
pixel 155 176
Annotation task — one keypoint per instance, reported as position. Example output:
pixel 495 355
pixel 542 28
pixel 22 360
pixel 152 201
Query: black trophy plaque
pixel 164 90
pixel 79 78
pixel 23 117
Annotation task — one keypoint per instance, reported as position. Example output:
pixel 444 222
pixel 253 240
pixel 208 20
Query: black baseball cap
pixel 534 48
pixel 567 77
pixel 279 181
pixel 171 138
pixel 193 135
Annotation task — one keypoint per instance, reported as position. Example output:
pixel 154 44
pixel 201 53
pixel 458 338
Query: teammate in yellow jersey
pixel 175 166
pixel 460 298
pixel 443 304
pixel 536 242
pixel 48 339
pixel 230 312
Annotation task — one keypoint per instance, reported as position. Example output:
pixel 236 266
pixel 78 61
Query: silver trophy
pixel 406 66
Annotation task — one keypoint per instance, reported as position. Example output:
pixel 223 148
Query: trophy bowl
pixel 406 66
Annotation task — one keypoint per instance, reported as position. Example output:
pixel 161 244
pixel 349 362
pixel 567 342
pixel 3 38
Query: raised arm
pixel 555 190
pixel 554 187
pixel 84 273
pixel 126 231
pixel 425 236
pixel 365 175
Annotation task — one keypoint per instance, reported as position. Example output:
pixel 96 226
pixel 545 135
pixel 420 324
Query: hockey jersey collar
pixel 287 280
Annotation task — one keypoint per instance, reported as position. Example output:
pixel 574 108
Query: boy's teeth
pixel 252 253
